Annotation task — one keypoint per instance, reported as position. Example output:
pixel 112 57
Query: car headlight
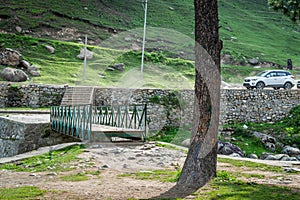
pixel 253 79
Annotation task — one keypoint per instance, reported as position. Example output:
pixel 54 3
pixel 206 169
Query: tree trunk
pixel 200 165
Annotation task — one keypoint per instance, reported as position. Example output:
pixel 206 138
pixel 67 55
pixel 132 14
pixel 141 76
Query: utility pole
pixel 84 62
pixel 144 37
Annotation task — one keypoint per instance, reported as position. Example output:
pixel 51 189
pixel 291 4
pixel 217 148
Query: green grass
pixel 158 175
pixel 57 161
pixel 251 165
pixel 227 186
pixel 259 32
pixel 23 192
pixel 173 135
pixel 75 177
pixel 247 29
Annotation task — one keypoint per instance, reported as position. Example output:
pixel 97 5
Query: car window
pixel 271 74
pixel 261 73
pixel 281 74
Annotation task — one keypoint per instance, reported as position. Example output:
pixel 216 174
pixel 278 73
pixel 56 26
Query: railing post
pixel 145 121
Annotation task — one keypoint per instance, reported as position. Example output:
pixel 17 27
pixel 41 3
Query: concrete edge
pixel 24 111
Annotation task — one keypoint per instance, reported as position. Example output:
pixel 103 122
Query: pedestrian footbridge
pixel 100 123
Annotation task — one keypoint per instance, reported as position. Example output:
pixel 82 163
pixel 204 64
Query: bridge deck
pixel 109 129
pixel 109 133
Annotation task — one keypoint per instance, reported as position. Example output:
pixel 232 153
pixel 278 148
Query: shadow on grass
pixel 232 189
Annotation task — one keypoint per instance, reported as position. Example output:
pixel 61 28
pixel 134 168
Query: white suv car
pixel 272 78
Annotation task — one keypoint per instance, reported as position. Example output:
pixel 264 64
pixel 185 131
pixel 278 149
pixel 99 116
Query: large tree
pixel 200 165
pixel 291 8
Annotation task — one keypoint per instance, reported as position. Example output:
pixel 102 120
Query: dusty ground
pixel 113 160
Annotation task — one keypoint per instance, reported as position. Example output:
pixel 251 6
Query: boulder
pixel 33 68
pixel 253 61
pixel 270 146
pixel 270 157
pixel 268 141
pixel 13 75
pixel 34 73
pixel 253 156
pixel 289 159
pixel 19 29
pixel 89 54
pixel 291 151
pixel 281 156
pixel 235 155
pixel 50 48
pixel 24 64
pixel 119 66
pixel 186 143
pixel 10 57
pixel 227 59
pixel 264 155
pixel 227 148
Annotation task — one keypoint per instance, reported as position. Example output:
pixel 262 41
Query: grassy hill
pixel 249 29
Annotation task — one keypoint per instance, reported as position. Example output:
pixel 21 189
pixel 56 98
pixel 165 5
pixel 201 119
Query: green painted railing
pixel 122 116
pixel 75 121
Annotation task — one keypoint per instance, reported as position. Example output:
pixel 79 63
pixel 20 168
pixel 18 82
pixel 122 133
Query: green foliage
pixel 224 176
pixel 159 175
pixel 57 160
pixel 244 29
pixel 171 134
pixel 245 32
pixel 246 141
pixel 23 192
pixel 75 177
pixel 291 8
pixel 227 186
pixel 285 131
pixel 251 165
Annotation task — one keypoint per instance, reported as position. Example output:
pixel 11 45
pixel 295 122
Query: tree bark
pixel 200 165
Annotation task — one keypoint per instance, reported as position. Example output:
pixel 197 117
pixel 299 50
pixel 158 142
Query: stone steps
pixel 82 95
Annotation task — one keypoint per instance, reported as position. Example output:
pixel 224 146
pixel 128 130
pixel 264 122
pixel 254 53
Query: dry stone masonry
pixel 256 105
pixel 20 134
pixel 164 107
pixel 31 95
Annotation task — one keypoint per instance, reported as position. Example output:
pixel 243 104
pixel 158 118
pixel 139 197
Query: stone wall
pixel 236 105
pixel 257 106
pixel 164 107
pixel 18 137
pixel 31 95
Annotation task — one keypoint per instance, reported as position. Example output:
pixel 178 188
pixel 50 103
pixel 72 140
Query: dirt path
pixel 112 161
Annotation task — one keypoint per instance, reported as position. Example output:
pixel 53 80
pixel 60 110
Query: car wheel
pixel 260 85
pixel 288 86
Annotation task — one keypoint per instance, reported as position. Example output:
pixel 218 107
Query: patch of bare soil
pixel 112 161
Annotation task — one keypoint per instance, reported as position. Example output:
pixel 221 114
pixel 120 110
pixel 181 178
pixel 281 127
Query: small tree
pixel 290 8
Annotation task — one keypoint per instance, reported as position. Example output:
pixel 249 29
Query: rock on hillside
pixel 17 70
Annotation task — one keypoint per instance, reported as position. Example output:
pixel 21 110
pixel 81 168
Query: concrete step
pixel 78 96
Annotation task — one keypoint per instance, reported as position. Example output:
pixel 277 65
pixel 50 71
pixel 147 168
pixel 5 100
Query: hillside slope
pixel 248 28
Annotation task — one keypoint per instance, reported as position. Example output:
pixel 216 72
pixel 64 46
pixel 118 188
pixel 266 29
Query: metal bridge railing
pixel 121 116
pixel 75 121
